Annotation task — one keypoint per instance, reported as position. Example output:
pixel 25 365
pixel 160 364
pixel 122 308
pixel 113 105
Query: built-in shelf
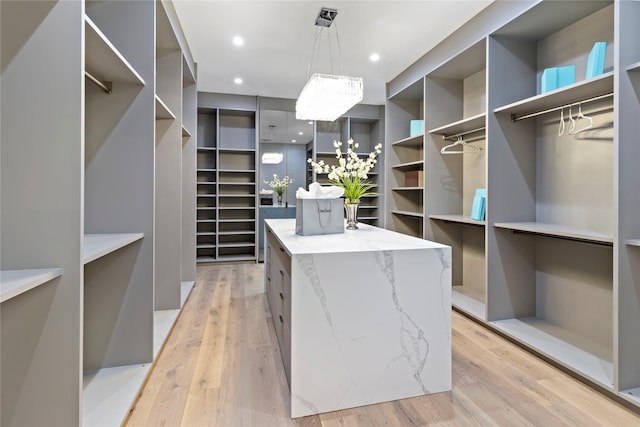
pixel 596 86
pixel 468 301
pixel 632 395
pixel 103 61
pixel 236 150
pixel 236 195
pixel 205 259
pixel 206 195
pixel 557 231
pixel 206 183
pixel 407 188
pixel 412 141
pixel 231 258
pixel 237 183
pixel 99 245
pixel 633 242
pixel 465 125
pixel 236 233
pixel 634 67
pixel 185 131
pixel 458 219
pixel 108 393
pixel 206 208
pixel 205 233
pixel 237 220
pixel 407 213
pixel 205 220
pixel 16 282
pixel 207 149
pixel 575 352
pixel 205 170
pixel 205 246
pixel 409 165
pixel 237 170
pixel 237 245
pixel 162 111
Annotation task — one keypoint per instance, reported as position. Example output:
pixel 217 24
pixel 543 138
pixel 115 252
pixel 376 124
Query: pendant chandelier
pixel 327 96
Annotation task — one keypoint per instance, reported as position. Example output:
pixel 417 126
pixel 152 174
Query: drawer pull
pixel 282 273
pixel 281 249
pixel 281 319
pixel 281 296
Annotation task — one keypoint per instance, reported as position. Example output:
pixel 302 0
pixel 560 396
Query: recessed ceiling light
pixel 374 57
pixel 238 41
pixel 300 133
pixel 237 81
pixel 293 140
pixel 310 122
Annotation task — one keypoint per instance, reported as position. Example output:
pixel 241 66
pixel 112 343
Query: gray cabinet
pixel 554 265
pixel 80 290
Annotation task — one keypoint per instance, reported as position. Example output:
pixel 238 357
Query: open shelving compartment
pixel 118 242
pixel 455 110
pixel 405 153
pixel 550 223
pixel 237 178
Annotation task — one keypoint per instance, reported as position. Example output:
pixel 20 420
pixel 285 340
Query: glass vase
pixel 351 210
pixel 279 199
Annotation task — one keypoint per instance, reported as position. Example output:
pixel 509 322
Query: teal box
pixel 549 80
pixel 417 127
pixel 557 77
pixel 595 63
pixel 479 207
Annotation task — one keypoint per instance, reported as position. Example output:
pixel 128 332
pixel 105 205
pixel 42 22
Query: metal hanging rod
pixel 105 86
pixel 516 118
pixel 461 134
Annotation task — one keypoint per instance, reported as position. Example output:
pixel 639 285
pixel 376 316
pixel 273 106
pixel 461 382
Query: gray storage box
pixel 319 216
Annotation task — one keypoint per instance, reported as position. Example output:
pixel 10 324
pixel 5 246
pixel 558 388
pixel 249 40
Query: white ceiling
pixel 279 38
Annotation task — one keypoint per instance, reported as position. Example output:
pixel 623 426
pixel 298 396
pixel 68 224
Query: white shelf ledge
pixel 458 219
pixel 407 188
pixel 108 393
pixel 163 112
pixel 409 165
pixel 202 259
pixel 230 258
pixel 557 231
pixel 99 245
pixel 596 86
pixel 575 352
pixel 412 141
pixel 633 242
pixel 468 301
pixel 185 132
pixel 407 213
pixel 634 67
pixel 103 60
pixel 464 125
pixel 16 282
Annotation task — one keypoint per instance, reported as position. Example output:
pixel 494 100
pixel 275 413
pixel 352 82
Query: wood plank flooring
pixel 221 366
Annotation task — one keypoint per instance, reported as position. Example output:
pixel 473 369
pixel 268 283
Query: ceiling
pixel 279 39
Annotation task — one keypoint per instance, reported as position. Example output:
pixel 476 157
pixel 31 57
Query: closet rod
pixel 457 135
pixel 516 118
pixel 105 86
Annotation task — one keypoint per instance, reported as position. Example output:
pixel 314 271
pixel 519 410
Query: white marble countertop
pixel 366 238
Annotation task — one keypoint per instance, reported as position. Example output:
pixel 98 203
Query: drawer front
pixel 279 251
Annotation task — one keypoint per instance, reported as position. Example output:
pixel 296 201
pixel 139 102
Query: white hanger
pixel 466 148
pixel 561 127
pixel 582 116
pixel 572 126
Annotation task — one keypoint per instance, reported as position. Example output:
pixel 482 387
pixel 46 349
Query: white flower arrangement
pixel 279 185
pixel 351 173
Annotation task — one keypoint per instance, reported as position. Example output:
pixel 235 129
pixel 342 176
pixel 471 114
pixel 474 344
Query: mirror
pixel 283 151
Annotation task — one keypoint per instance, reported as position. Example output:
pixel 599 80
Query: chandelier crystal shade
pixel 326 97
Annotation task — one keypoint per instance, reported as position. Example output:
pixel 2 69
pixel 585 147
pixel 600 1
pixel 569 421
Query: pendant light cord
pixel 315 54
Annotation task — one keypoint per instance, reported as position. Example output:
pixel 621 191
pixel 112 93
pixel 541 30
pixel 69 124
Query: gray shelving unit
pixel 226 179
pixel 555 264
pixel 79 326
pixel 365 125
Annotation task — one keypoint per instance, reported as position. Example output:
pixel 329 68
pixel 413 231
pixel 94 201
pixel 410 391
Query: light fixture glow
pixel 310 122
pixel 272 158
pixel 374 57
pixel 237 81
pixel 326 97
pixel 238 41
pixel 293 140
pixel 300 133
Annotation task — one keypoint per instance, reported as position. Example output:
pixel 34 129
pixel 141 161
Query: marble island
pixel 362 317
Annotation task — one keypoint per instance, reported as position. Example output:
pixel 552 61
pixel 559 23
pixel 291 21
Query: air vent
pixel 326 16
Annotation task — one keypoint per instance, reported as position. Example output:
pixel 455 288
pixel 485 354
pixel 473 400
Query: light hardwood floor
pixel 221 367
